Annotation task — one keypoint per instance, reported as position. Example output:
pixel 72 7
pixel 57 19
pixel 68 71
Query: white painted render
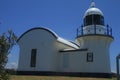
pixel 47 46
pixel 60 55
pixel 99 45
pixel 91 29
pixel 49 57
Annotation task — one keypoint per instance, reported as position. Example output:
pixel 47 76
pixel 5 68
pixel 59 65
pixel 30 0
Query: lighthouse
pixel 97 37
pixel 43 52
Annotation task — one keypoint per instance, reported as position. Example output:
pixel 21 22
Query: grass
pixel 16 77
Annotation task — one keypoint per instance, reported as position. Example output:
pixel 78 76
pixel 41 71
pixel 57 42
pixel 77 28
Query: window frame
pixel 33 57
pixel 90 57
pixel 93 19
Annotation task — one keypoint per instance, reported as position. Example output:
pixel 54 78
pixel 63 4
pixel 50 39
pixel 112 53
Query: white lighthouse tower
pixel 97 37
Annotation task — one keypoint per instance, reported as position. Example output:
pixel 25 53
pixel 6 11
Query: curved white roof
pixel 39 28
pixel 93 10
pixel 59 39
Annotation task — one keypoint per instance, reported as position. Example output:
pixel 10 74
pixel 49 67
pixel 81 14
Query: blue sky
pixel 62 16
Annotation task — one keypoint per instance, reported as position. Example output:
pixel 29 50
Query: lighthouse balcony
pixel 94 30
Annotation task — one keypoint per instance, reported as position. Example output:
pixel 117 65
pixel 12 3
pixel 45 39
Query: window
pixel 96 19
pixel 88 20
pixel 33 57
pixel 93 19
pixel 102 20
pixel 90 57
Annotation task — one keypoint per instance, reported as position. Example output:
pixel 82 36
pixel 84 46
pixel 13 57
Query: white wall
pixel 43 41
pixel 99 45
pixel 50 59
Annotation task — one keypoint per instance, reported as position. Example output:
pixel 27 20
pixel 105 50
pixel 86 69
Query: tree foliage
pixel 7 41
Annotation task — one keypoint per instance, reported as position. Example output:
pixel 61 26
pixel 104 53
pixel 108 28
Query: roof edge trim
pixel 46 29
pixel 84 49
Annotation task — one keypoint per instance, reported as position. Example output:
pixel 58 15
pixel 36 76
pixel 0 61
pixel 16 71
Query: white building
pixel 49 54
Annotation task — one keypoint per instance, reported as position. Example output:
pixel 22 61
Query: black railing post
pixel 94 28
pixel 107 29
pixel 81 29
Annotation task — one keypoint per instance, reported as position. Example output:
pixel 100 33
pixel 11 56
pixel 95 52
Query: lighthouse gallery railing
pixel 107 31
